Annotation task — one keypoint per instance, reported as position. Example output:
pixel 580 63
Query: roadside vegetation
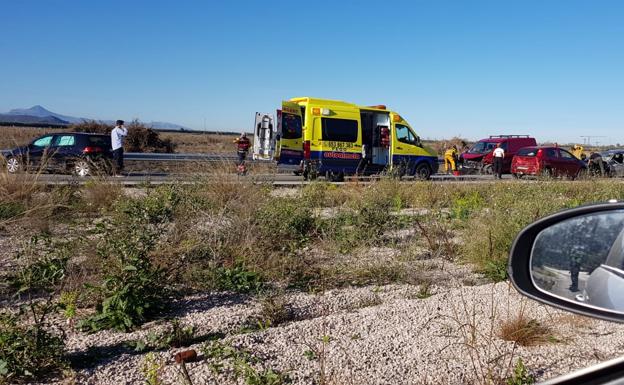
pixel 105 258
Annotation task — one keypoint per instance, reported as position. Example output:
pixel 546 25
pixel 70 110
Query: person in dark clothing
pixel 596 165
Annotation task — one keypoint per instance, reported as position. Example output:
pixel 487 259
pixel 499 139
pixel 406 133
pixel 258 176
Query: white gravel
pixel 377 335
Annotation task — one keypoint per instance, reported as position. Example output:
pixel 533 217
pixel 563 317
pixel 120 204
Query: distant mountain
pixel 41 112
pixel 29 119
pixel 40 115
pixel 166 126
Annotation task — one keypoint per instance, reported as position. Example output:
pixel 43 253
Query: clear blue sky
pixel 553 69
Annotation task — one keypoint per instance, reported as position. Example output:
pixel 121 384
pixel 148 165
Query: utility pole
pixel 587 139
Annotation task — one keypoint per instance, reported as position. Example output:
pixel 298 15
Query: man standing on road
pixel 117 135
pixel 242 147
pixel 499 155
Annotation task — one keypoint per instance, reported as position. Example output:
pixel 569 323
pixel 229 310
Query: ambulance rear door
pixel 265 137
pixel 290 134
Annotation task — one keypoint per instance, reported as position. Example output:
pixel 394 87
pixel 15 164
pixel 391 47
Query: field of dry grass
pixel 16 136
pixel 188 142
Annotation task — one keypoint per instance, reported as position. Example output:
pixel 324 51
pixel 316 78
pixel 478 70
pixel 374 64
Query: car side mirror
pixel 574 260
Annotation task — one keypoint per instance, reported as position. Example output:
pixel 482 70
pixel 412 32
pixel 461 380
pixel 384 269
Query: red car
pixel 480 157
pixel 546 161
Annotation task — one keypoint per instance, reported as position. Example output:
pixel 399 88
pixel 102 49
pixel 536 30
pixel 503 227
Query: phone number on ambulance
pixel 341 155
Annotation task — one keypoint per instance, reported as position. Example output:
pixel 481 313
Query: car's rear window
pixel 527 152
pixel 101 141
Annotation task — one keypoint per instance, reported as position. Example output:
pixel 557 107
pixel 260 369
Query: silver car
pixel 605 285
pixel 615 160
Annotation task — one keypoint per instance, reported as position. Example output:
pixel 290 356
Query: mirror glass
pixel 581 260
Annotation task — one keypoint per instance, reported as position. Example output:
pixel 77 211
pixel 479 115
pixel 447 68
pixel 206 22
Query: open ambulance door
pixel 265 136
pixel 290 134
pixel 402 146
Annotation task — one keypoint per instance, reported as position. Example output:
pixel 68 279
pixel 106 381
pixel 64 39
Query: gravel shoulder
pixel 371 335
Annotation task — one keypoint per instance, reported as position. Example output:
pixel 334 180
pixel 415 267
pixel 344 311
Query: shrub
pixel 131 295
pixel 10 210
pixel 274 310
pixel 284 224
pixel 238 279
pixel 92 126
pixel 238 363
pixel 27 349
pixel 521 375
pixel 157 207
pixel 98 195
pixel 45 269
pixel 176 335
pixel 27 352
pixel 134 289
pixel 140 137
pixel 27 202
pixel 152 369
pixel 466 204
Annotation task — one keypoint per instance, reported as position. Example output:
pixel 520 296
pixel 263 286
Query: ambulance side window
pixel 404 134
pixel 339 130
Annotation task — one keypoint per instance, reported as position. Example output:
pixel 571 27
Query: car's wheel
pixel 581 174
pixel 423 171
pixel 13 165
pixel 82 168
pixel 331 176
pixel 546 173
pixel 516 176
pixel 487 169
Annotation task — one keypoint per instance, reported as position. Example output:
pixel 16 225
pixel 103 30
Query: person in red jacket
pixel 242 147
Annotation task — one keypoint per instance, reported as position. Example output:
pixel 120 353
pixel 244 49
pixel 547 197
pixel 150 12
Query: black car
pixel 80 153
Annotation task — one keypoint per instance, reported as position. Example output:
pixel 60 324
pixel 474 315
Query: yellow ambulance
pixel 334 138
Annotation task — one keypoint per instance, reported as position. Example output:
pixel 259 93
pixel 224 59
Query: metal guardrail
pixel 161 157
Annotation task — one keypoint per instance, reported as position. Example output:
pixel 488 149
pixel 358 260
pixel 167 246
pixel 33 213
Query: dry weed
pixel 525 331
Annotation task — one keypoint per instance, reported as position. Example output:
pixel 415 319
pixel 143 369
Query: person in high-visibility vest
pixel 450 159
pixel 577 150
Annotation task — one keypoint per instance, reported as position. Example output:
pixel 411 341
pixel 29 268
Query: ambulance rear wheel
pixel 423 171
pixel 309 174
pixel 332 176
